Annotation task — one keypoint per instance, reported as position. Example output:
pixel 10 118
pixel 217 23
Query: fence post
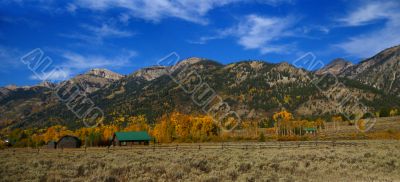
pixel 38 150
pixel 85 148
pixel 176 147
pixel 154 147
pixel 199 147
pixel 222 146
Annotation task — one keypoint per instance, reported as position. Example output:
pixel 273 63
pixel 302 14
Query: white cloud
pixel 372 42
pixel 53 75
pixel 369 12
pixel 257 32
pixel 150 10
pixel 107 31
pixel 79 62
pixel 9 57
pixel 205 39
pixel 71 8
pixel 156 10
pixel 97 34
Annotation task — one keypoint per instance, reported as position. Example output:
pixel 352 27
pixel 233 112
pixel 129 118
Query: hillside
pixel 335 67
pixel 381 71
pixel 254 89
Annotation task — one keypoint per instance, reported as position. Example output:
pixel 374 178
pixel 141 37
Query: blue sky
pixel 124 36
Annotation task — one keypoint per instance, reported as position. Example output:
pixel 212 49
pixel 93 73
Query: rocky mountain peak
pixel 285 66
pixel 94 79
pixel 380 71
pixel 11 87
pixel 393 51
pixel 188 61
pixel 47 84
pixel 191 60
pixel 151 73
pixel 335 67
pixel 104 73
pixel 254 89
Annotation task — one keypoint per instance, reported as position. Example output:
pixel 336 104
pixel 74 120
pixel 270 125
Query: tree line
pixel 175 127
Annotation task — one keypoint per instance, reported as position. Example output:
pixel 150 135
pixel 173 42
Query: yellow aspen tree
pixel 281 119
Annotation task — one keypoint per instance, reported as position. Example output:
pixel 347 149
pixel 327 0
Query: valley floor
pixel 379 160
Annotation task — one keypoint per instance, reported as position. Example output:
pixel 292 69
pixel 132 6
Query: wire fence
pixel 199 147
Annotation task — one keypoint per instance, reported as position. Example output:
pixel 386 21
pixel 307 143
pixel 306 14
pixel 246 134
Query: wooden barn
pixel 130 138
pixel 52 145
pixel 69 141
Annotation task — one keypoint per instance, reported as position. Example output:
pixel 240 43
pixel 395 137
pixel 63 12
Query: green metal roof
pixel 132 135
pixel 310 129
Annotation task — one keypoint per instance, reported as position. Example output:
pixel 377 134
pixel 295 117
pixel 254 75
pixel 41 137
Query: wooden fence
pixel 205 146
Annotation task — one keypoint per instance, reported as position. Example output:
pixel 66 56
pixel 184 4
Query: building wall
pixel 69 142
pixel 116 142
pixel 51 145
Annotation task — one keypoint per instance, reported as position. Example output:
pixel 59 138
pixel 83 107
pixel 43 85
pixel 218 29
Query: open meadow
pixel 374 160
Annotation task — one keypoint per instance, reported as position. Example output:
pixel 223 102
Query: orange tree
pixel 137 123
pixel 282 122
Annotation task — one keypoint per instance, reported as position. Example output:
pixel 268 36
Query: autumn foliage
pixel 183 127
pixel 286 125
pixel 180 127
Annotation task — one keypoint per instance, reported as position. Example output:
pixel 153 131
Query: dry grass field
pixel 379 160
pixel 384 128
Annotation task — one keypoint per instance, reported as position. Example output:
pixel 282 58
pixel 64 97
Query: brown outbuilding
pixel 52 145
pixel 69 141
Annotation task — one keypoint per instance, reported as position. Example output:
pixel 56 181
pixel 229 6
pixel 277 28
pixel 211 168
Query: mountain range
pixel 254 89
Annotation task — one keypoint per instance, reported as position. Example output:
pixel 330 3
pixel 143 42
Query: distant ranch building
pixel 52 145
pixel 130 138
pixel 310 131
pixel 69 141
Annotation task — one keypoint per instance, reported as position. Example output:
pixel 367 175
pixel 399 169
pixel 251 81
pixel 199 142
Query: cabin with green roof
pixel 130 138
pixel 312 131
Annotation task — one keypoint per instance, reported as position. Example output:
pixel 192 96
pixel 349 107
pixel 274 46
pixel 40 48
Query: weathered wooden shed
pixel 130 138
pixel 69 141
pixel 52 145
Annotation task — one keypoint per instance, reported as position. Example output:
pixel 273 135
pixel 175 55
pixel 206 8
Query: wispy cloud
pixel 53 75
pixel 97 34
pixel 205 39
pixel 369 12
pixel 370 43
pixel 76 61
pixel 257 32
pixel 107 31
pixel 9 58
pixel 71 8
pixel 156 10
